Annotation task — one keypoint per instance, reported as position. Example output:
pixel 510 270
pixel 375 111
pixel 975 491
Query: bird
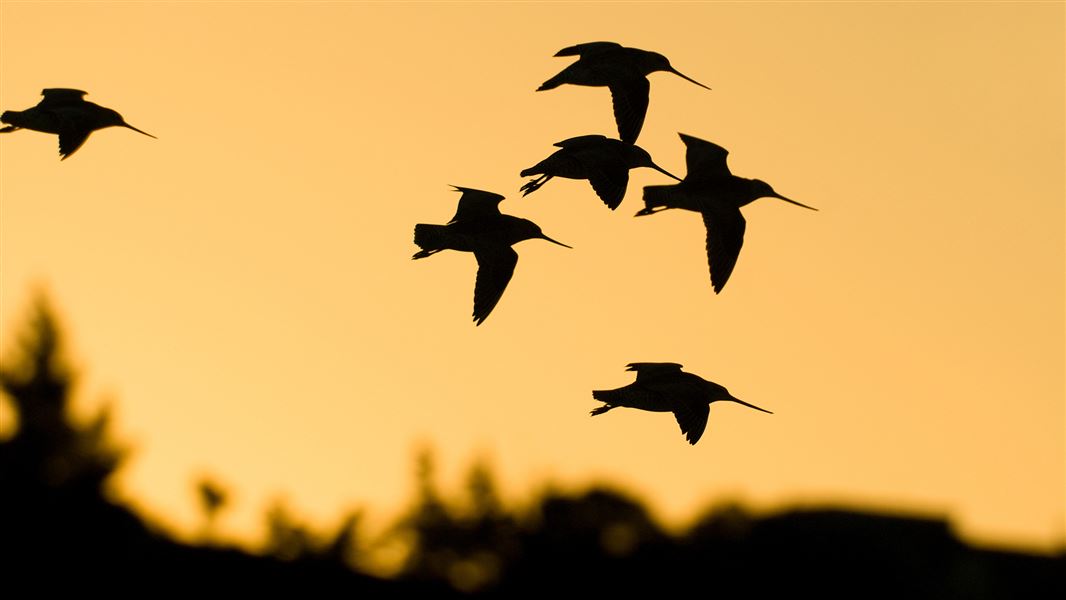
pixel 624 71
pixel 664 387
pixel 479 227
pixel 711 190
pixel 605 162
pixel 64 111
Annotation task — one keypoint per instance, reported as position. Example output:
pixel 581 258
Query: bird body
pixel 624 71
pixel 664 387
pixel 479 227
pixel 65 112
pixel 711 190
pixel 603 161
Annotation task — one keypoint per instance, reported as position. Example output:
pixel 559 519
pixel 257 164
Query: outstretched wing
pixel 725 236
pixel 476 203
pixel 650 371
pixel 630 98
pixel 70 139
pixel 582 141
pixel 692 417
pixel 588 48
pixel 610 182
pixel 495 266
pixel 54 97
pixel 705 160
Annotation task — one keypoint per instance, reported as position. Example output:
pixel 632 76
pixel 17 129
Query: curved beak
pixel 683 76
pixel 664 171
pixel 779 196
pixel 544 237
pixel 128 126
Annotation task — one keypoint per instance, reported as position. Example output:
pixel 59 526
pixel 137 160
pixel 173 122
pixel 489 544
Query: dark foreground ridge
pixel 58 530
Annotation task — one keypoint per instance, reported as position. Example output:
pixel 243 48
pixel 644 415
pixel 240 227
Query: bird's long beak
pixel 683 76
pixel 776 195
pixel 544 237
pixel 739 401
pixel 127 125
pixel 664 171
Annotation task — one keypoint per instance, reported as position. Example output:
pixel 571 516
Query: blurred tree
pixel 49 450
pixel 213 498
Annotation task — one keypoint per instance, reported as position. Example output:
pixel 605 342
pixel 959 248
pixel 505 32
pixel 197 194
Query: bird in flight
pixel 479 227
pixel 65 112
pixel 664 387
pixel 604 162
pixel 624 71
pixel 711 190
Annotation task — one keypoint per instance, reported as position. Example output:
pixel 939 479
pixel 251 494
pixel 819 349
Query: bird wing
pixel 72 138
pixel 588 48
pixel 476 203
pixel 495 266
pixel 60 97
pixel 692 417
pixel 610 182
pixel 630 97
pixel 653 370
pixel 581 141
pixel 704 160
pixel 725 236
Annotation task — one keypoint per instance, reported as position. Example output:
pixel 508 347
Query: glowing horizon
pixel 241 287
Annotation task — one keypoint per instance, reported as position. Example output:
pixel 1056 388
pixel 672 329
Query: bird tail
pixel 11 117
pixel 656 197
pixel 430 238
pixel 605 396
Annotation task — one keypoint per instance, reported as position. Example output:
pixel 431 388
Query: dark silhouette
pixel 58 531
pixel 711 190
pixel 479 227
pixel 664 387
pixel 65 112
pixel 213 498
pixel 601 160
pixel 624 70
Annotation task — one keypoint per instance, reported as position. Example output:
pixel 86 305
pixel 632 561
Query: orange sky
pixel 242 287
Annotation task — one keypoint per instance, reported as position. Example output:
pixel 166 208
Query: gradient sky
pixel 241 289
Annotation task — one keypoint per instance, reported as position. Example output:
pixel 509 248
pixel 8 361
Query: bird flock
pixel 708 188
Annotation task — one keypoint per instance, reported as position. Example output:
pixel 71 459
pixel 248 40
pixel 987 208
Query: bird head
pixel 639 157
pixel 111 118
pixel 653 61
pixel 761 189
pixel 528 230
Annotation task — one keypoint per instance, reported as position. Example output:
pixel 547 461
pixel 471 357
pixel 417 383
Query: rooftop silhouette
pixel 664 387
pixel 603 161
pixel 479 227
pixel 65 112
pixel 711 190
pixel 624 71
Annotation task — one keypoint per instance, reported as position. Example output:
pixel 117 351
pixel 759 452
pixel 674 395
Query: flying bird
pixel 479 227
pixel 664 387
pixel 624 71
pixel 711 190
pixel 603 161
pixel 65 112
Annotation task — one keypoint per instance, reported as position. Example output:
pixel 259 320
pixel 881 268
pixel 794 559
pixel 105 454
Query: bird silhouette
pixel 664 387
pixel 603 161
pixel 711 190
pixel 479 227
pixel 624 71
pixel 65 112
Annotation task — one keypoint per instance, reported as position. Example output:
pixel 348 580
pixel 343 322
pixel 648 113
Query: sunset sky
pixel 242 291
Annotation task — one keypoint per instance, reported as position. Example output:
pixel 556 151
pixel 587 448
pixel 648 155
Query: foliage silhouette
pixel 58 529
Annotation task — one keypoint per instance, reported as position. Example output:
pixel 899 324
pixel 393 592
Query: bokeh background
pixel 241 289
